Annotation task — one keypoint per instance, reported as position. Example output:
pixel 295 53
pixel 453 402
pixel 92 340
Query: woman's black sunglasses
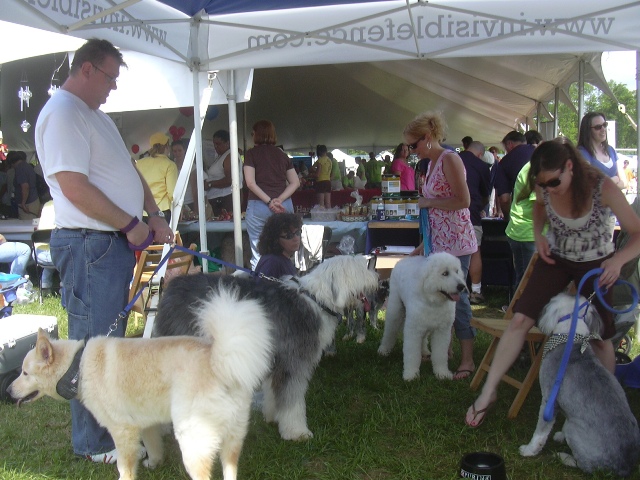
pixel 290 235
pixel 413 146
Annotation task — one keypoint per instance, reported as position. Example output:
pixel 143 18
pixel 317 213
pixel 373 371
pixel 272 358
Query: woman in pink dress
pixel 400 167
pixel 446 196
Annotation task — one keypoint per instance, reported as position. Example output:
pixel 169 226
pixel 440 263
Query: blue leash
pixel 125 312
pixel 549 408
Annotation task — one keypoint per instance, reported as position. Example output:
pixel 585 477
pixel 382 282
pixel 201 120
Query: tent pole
pixel 235 168
pixel 580 92
pixel 638 106
pixel 556 99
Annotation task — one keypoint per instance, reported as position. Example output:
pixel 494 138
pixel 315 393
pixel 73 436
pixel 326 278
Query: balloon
pixel 180 132
pixel 173 130
pixel 186 111
pixel 212 112
pixel 135 148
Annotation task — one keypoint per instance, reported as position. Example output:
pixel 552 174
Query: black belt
pixel 100 232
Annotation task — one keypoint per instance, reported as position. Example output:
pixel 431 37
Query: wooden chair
pixel 496 327
pixel 178 264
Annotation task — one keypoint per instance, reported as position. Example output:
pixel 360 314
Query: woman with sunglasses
pixel 592 143
pixel 574 199
pixel 279 241
pixel 446 196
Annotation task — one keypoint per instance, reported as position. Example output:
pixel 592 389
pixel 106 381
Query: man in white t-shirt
pixel 99 197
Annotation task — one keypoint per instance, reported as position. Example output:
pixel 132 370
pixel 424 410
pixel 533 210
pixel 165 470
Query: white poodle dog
pixel 422 298
pixel 600 428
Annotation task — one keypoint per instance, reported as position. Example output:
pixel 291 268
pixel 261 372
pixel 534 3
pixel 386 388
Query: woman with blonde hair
pixel 160 173
pixel 271 180
pixel 446 196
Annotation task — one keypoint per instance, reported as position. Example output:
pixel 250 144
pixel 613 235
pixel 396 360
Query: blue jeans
pixel 44 260
pixel 96 270
pixel 17 254
pixel 256 217
pixel 522 253
pixel 462 323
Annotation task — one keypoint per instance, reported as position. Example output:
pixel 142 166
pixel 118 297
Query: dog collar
pixel 318 302
pixel 67 386
pixel 558 339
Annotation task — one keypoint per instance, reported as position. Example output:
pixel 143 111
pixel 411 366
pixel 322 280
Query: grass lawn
pixel 368 424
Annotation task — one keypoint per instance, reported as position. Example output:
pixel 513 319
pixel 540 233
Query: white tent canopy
pixel 233 35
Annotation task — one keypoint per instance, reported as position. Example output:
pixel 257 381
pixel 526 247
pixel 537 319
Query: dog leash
pixel 549 408
pixel 125 311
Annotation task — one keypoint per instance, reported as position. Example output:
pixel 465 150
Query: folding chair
pixel 38 239
pixel 496 327
pixel 177 264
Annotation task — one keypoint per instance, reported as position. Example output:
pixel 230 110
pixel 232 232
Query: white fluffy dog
pixel 423 292
pixel 600 428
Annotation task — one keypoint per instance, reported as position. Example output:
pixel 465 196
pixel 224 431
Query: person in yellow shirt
pixel 322 169
pixel 160 172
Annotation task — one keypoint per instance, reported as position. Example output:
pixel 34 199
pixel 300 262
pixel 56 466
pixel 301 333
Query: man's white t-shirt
pixel 72 137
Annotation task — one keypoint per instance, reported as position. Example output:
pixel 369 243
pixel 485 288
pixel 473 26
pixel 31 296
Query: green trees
pixel 595 100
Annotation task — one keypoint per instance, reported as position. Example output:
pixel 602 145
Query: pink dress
pixel 451 230
pixel 407 174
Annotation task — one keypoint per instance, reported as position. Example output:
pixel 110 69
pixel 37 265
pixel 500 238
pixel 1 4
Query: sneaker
pixel 476 298
pixel 108 457
pixel 504 308
pixel 112 456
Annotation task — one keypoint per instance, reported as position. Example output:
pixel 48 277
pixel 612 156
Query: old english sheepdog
pixel 303 313
pixel 600 428
pixel 422 298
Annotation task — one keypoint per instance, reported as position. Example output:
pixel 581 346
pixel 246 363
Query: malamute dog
pixel 303 314
pixel 133 386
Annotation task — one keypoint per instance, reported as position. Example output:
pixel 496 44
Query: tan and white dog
pixel 203 385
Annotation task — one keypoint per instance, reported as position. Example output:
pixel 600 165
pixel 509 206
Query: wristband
pixel 269 202
pixel 131 225
pixel 143 245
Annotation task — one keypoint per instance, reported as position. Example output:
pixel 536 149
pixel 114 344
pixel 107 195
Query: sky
pixel 621 67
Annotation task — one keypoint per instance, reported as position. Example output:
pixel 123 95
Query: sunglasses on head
pixel 290 235
pixel 554 182
pixel 601 126
pixel 413 146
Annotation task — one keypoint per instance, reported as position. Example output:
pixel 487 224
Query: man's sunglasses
pixel 290 235
pixel 601 126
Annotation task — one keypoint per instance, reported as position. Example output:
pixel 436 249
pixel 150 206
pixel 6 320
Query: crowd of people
pixel 100 196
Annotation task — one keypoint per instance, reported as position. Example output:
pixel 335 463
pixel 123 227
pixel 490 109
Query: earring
pixel 429 145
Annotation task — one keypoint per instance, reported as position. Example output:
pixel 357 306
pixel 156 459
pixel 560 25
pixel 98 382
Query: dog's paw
pixel 567 459
pixel 151 463
pixel 559 437
pixel 383 351
pixel 410 375
pixel 443 375
pixel 529 450
pixel 347 336
pixel 360 338
pixel 297 436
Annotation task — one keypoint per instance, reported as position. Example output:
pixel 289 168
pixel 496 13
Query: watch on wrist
pixel 159 213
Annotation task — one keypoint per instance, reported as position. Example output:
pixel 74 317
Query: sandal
pixel 476 413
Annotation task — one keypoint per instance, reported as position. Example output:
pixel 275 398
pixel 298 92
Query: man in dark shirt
pixel 478 181
pixel 518 154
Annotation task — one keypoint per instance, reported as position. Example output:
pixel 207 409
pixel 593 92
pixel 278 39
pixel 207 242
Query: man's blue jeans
pixel 522 253
pixel 95 269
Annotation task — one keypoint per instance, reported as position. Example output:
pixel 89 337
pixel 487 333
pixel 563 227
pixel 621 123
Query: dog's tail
pixel 241 336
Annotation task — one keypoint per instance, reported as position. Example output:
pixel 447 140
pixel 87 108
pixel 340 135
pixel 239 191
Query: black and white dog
pixel 600 428
pixel 304 313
